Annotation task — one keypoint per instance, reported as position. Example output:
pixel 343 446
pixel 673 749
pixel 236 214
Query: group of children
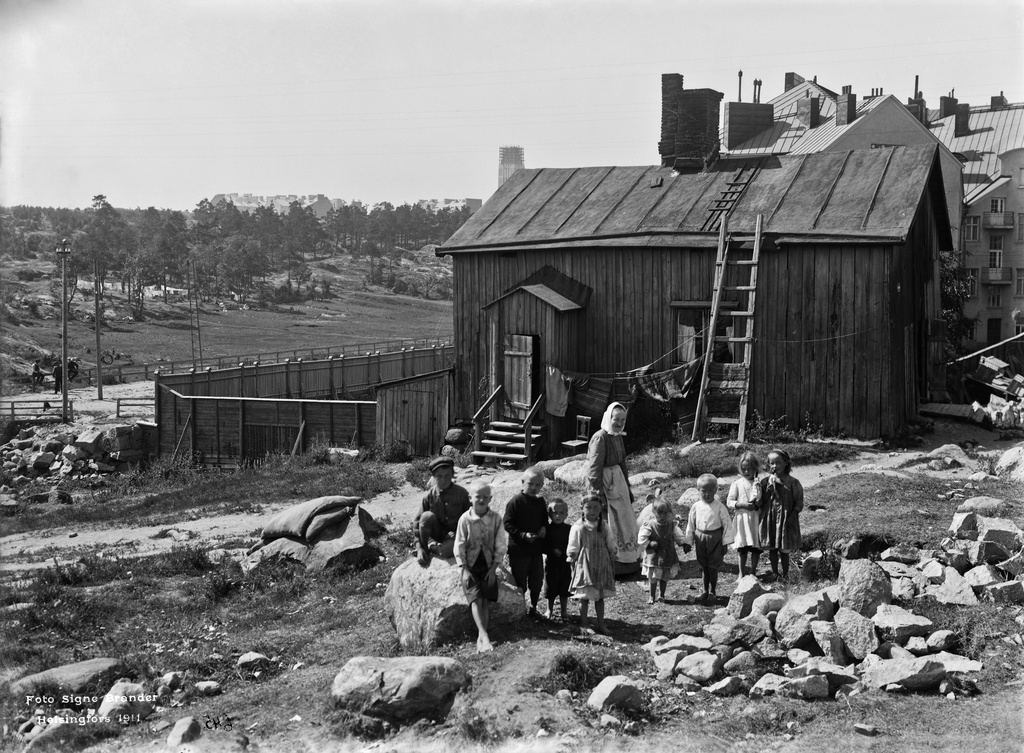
pixel 578 561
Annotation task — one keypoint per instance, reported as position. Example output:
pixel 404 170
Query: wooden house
pixel 604 270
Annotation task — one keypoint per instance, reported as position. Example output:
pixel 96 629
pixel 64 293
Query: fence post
pixel 302 391
pixel 145 372
pixel 192 381
pixel 241 433
pixel 403 363
pixel 256 378
pixel 359 427
pixel 330 379
pixel 156 408
pixel 287 378
pixel 241 379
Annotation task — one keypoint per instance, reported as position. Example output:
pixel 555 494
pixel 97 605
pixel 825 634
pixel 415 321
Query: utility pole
pixel 64 251
pixel 97 289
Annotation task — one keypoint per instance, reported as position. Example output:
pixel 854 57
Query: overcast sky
pixel 160 103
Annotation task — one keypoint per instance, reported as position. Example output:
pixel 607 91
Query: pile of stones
pixel 61 455
pixel 851 637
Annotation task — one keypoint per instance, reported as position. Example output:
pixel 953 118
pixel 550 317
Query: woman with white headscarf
pixel 607 476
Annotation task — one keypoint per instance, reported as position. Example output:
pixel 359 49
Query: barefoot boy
pixel 479 546
pixel 442 506
pixel 706 528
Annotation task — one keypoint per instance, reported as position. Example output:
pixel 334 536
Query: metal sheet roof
pixel 992 132
pixel 788 135
pixel 864 195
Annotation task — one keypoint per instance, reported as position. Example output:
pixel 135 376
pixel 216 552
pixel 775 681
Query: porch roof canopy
pixel 867 195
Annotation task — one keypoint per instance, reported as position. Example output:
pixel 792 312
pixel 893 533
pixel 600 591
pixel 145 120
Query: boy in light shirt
pixel 480 544
pixel 707 528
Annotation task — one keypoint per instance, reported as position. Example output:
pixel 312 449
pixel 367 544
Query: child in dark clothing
pixel 557 571
pixel 526 519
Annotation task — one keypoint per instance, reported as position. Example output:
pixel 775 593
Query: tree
pixel 955 290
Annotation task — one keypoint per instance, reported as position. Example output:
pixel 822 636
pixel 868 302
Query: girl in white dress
pixel 745 501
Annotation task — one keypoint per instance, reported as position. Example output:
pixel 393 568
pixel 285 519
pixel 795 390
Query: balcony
pixel 997 220
pixel 996 275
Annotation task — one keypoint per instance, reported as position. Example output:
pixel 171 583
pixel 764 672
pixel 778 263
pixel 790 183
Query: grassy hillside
pixel 353 311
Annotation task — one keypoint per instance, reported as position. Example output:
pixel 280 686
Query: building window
pixel 972 330
pixel 1020 180
pixel 691 327
pixel 995 297
pixel 995 330
pixel 972 228
pixel 1020 282
pixel 1020 226
pixel 995 251
pixel 997 205
pixel 972 282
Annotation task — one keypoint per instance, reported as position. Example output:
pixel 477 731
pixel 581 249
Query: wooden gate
pixel 520 373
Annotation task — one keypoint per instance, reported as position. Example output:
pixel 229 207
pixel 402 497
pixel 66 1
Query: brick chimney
pixel 793 79
pixel 918 108
pixel 846 107
pixel 744 120
pixel 947 106
pixel 999 101
pixel 689 123
pixel 962 124
pixel 807 110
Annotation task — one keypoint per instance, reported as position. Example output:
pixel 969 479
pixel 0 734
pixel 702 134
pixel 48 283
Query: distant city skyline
pixel 161 104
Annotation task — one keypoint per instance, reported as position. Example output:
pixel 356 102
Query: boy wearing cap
pixel 443 505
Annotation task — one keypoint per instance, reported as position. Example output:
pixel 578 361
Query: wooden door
pixel 520 362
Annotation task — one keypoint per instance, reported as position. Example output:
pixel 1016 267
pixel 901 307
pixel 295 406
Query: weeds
pixel 581 671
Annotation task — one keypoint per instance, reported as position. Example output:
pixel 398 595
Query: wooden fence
pixel 36 410
pixel 227 432
pixel 230 417
pixel 146 371
pixel 336 377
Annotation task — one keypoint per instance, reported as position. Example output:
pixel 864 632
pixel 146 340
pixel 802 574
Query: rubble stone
pixel 923 673
pixel 863 587
pixel 701 666
pixel 748 589
pixel 898 625
pixel 954 589
pixel 769 685
pixel 964 525
pixel 857 632
pixel 1002 531
pixel 616 691
pixel 982 505
pixel 1010 592
pixel 827 637
pixel 942 640
pixel 981 576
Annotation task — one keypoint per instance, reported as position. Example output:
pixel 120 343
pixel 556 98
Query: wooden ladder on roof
pixel 725 387
pixel 727 199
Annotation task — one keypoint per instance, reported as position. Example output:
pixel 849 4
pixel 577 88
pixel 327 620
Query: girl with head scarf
pixel 607 476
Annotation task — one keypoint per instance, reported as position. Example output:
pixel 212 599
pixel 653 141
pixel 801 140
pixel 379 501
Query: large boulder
pixel 981 552
pixel 725 629
pixel 428 607
pixel 1010 592
pixel 769 685
pixel 863 586
pixel 335 537
pixel 688 644
pixel 858 633
pixel 75 677
pixel 748 588
pixel 572 473
pixel 401 689
pixel 767 603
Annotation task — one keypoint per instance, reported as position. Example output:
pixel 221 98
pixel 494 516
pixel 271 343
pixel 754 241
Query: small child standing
pixel 657 541
pixel 706 529
pixel 557 572
pixel 526 519
pixel 479 546
pixel 592 552
pixel 745 500
pixel 782 501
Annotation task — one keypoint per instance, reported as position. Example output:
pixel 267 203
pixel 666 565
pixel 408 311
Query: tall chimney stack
pixel 947 106
pixel 689 124
pixel 962 124
pixel 793 80
pixel 807 111
pixel 846 107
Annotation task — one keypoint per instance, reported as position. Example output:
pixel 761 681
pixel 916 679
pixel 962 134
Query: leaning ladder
pixel 725 388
